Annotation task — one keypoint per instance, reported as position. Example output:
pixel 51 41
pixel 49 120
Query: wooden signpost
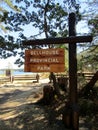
pixel 44 60
pixel 71 40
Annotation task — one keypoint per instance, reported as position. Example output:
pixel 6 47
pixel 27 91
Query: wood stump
pixel 48 94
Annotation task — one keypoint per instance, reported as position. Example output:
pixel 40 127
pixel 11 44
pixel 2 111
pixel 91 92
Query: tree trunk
pixel 89 86
pixel 92 81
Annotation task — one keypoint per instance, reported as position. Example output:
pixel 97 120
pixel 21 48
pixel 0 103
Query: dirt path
pixel 15 97
pixel 18 110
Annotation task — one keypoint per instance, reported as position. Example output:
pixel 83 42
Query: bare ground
pixel 18 110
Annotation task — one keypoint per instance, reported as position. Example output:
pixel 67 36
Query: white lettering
pixel 44 52
pixel 42 68
pixel 44 60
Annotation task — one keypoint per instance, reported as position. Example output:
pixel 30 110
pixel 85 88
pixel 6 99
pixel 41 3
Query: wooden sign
pixel 44 60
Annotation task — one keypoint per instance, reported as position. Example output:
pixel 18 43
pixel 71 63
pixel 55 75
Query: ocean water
pixel 16 72
pixel 2 72
pixel 21 73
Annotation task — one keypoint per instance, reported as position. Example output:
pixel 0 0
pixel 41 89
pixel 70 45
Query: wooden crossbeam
pixel 71 39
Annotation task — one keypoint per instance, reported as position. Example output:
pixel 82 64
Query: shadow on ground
pixel 18 111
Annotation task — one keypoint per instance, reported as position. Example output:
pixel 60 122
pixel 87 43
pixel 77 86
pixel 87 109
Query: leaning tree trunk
pixel 89 86
pixel 92 81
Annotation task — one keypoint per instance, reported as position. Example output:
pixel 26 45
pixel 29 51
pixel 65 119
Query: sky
pixel 5 63
pixel 9 63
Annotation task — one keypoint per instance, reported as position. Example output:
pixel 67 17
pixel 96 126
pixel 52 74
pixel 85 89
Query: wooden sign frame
pixel 73 118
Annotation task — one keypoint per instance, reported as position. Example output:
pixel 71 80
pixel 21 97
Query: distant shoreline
pixel 16 72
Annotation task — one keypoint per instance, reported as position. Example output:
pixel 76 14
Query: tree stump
pixel 63 83
pixel 48 94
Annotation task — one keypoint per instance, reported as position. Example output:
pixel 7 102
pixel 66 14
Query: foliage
pixel 87 60
pixel 93 25
pixel 89 55
pixel 48 17
pixel 87 107
pixel 8 47
pixel 4 11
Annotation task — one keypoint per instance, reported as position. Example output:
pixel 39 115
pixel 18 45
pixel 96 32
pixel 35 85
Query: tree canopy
pixel 48 17
pixel 4 11
pixel 89 56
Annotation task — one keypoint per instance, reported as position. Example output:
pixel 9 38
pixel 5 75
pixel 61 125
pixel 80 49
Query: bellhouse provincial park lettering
pixel 43 60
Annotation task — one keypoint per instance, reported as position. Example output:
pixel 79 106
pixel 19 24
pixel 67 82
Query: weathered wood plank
pixel 59 40
pixel 44 68
pixel 45 60
pixel 45 52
